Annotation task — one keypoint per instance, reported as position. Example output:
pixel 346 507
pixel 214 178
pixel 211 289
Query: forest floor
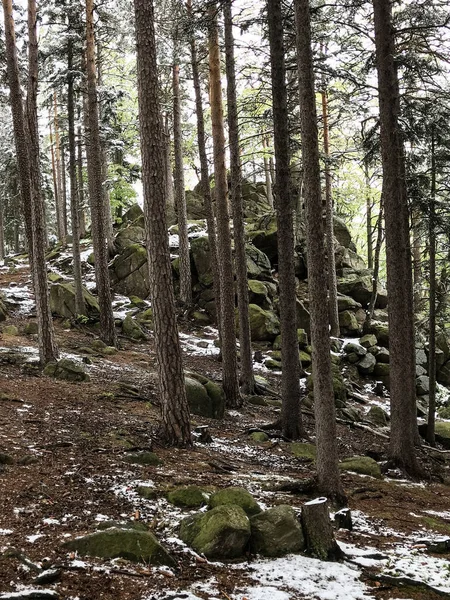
pixel 69 441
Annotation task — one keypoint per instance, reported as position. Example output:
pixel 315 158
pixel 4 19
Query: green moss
pixel 259 437
pixel 187 497
pixel 147 492
pixel 144 459
pixel 236 496
pixel 363 465
pixel 303 450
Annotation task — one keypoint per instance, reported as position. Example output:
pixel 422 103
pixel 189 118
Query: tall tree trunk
pixel 2 233
pixel 20 136
pixel 398 250
pixel 326 439
pixel 64 188
pixel 98 206
pixel 180 195
pixel 229 357
pixel 74 207
pixel 204 174
pixel 170 192
pixel 417 263
pixel 284 205
pixel 61 225
pixel 369 232
pixel 48 350
pixel 267 174
pixel 331 262
pixel 376 270
pixel 55 180
pixel 432 298
pixel 175 410
pixel 237 205
pixel 81 207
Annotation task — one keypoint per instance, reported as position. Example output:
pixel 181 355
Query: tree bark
pixel 225 257
pixel 62 231
pixel 74 204
pixel 369 233
pixel 2 233
pixel 55 178
pixel 376 270
pixel 267 174
pixel 180 195
pixel 329 480
pixel 48 350
pixel 237 205
pixel 398 251
pixel 284 205
pixel 81 207
pixel 204 174
pixel 20 137
pixel 175 410
pixel 170 193
pixel 432 299
pixel 331 262
pixel 98 206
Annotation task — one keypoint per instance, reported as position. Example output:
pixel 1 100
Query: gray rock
pixel 276 532
pixel 67 370
pixel 377 416
pixel 422 385
pixel 62 301
pixel 367 364
pixel 355 348
pixel 235 496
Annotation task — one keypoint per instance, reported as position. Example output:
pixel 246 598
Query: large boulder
pixel 264 235
pixel 128 236
pixel 346 258
pixel 367 364
pixel 129 272
pixel 67 370
pixel 276 532
pixel 348 322
pixel 363 465
pixel 358 285
pixel 205 398
pixel 201 257
pixel 443 374
pixel 258 264
pixel 259 294
pixel 264 324
pixel 62 301
pixel 132 329
pixel 342 233
pixel 134 545
pixel 195 205
pixel 134 214
pixel 235 496
pixel 220 533
pixel 254 197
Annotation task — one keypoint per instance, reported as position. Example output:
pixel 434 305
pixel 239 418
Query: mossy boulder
pixel 264 235
pixel 354 348
pixel 368 340
pixel 302 337
pixel 205 398
pixel 381 332
pixel 62 301
pixel 11 330
pixel 31 328
pixel 367 364
pixel 220 533
pixel 136 546
pixel 201 257
pixel 132 329
pixel 55 277
pixel 67 370
pixel 264 324
pixel 259 437
pixel 443 433
pixel 144 459
pixel 126 237
pixel 443 374
pixel 129 272
pixel 347 303
pixel 187 497
pixel 339 386
pixel 235 496
pixel 258 294
pixel 377 416
pixel 348 321
pixel 133 214
pixel 381 370
pixel 147 492
pixel 364 465
pixel 304 451
pixel 276 532
pixel 258 264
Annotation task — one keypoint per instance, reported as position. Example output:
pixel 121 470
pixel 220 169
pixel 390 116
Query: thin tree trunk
pixel 64 188
pixel 175 410
pixel 229 357
pixel 417 263
pixel 48 350
pixel 237 205
pixel 81 208
pixel 398 250
pixel 329 480
pixel 204 171
pixel 376 270
pixel 98 206
pixel 170 193
pixel 290 387
pixel 55 180
pixel 74 208
pixel 369 232
pixel 267 172
pixel 432 300
pixel 331 263
pixel 180 195
pixel 2 233
pixel 20 137
pixel 62 231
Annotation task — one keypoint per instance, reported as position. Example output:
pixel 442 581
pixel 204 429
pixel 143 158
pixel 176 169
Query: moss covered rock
pixel 31 328
pixel 264 324
pixel 129 272
pixel 259 437
pixel 136 546
pixel 364 465
pixel 368 340
pixel 205 398
pixel 144 459
pixel 367 364
pixel 187 497
pixel 276 532
pixel 10 330
pixel 304 450
pixel 132 329
pixel 377 416
pixel 236 496
pixel 220 533
pixel 62 301
pixel 348 321
pixel 66 369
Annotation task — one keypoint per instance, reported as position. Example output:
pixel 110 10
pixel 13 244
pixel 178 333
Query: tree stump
pixel 318 530
pixel 343 519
